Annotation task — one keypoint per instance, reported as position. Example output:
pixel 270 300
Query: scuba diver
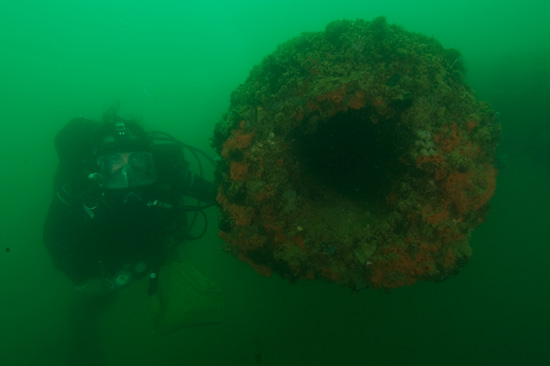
pixel 118 213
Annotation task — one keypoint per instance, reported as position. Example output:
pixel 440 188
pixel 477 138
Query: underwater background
pixel 174 64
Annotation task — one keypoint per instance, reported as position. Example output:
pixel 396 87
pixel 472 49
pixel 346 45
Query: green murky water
pixel 174 65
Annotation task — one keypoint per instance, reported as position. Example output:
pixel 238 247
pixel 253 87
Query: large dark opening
pixel 353 155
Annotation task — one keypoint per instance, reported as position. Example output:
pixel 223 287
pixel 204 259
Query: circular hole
pixel 353 155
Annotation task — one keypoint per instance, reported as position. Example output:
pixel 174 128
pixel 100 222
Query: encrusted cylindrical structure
pixel 357 155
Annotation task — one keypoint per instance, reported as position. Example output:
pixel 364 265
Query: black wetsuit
pixel 93 232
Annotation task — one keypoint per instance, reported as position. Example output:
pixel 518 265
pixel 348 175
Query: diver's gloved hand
pixel 94 287
pixel 103 286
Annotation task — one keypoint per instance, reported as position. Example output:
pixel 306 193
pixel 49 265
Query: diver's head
pixel 124 155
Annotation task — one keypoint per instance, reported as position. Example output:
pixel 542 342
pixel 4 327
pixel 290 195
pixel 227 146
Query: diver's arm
pixel 63 238
pixel 173 171
pixel 197 187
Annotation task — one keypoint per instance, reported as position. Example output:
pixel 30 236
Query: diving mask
pixel 126 169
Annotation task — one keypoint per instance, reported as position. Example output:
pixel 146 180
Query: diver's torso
pixel 128 229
